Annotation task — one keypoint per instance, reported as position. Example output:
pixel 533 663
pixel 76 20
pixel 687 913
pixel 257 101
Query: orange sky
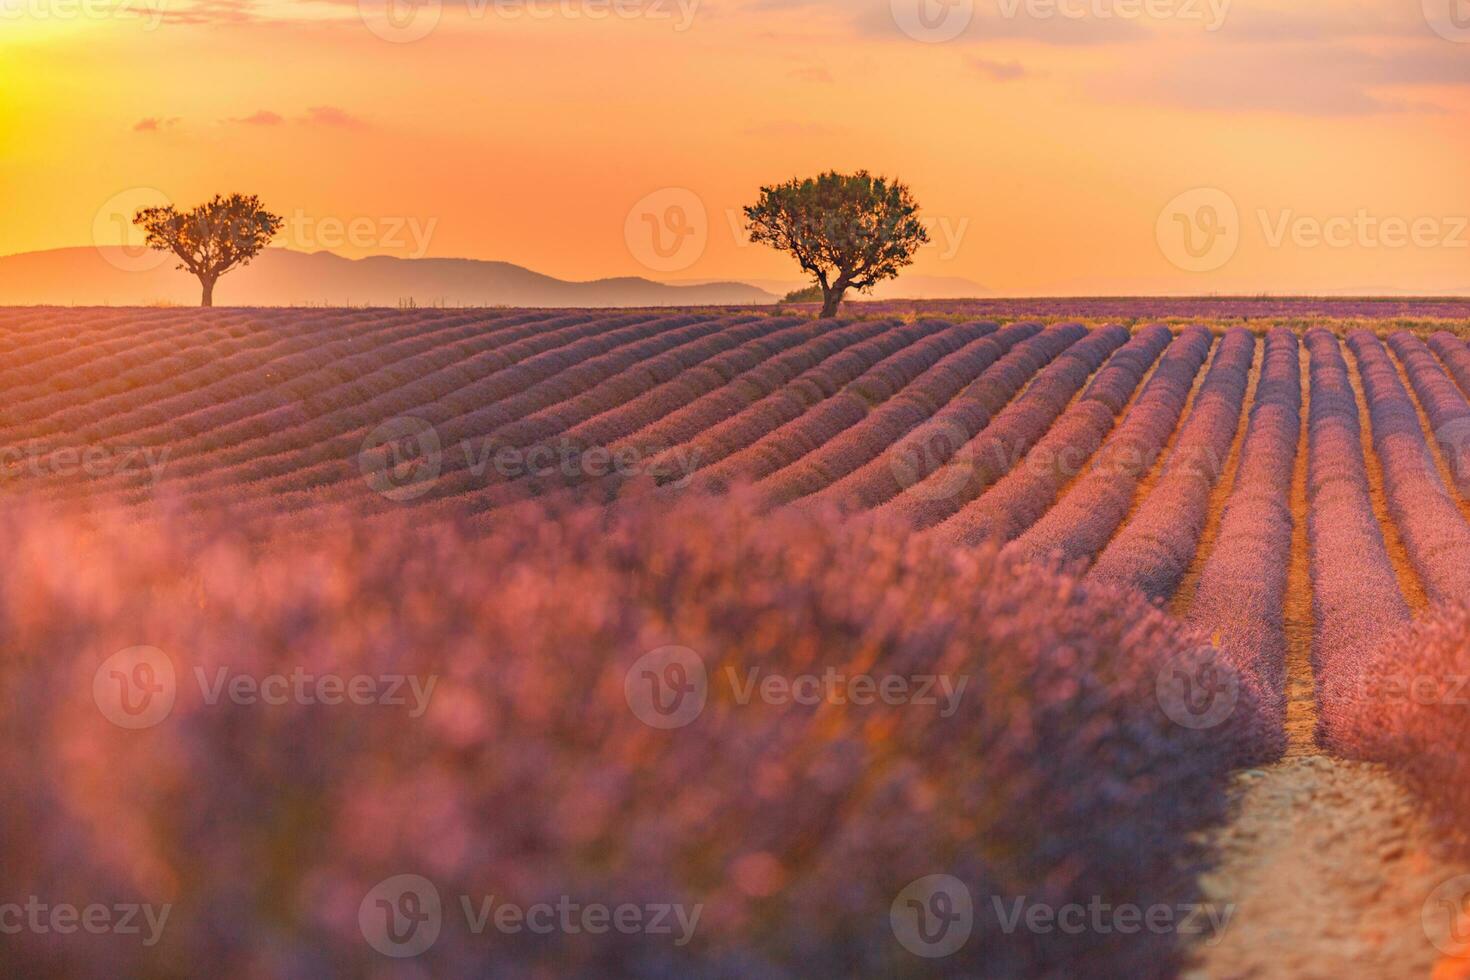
pixel 1046 141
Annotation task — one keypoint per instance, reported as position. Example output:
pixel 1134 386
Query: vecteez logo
pixel 401 916
pixel 401 21
pixel 402 458
pixel 1199 230
pixel 933 916
pixel 667 688
pixel 120 242
pixel 1450 19
pixel 135 688
pixel 668 230
pixel 1198 688
pixel 1446 916
pixel 933 21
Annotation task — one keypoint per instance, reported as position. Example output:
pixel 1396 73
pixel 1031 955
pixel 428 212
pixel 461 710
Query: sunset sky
pixel 1057 146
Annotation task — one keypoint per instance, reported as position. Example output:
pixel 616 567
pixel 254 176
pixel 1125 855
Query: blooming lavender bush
pixel 1411 710
pixel 535 771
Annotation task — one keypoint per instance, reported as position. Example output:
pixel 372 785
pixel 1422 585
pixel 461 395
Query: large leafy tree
pixel 849 231
pixel 213 238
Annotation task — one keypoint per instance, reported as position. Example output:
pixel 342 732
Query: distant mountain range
pixel 279 277
pixel 904 287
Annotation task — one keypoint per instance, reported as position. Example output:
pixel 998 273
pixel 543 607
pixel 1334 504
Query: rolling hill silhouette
pixel 119 276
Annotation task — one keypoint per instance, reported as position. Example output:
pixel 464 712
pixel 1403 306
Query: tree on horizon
pixel 849 231
pixel 213 238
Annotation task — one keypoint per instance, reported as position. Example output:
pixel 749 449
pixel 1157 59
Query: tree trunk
pixel 208 292
pixel 832 298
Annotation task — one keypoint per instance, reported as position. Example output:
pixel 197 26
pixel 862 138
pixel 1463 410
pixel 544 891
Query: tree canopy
pixel 849 231
pixel 213 238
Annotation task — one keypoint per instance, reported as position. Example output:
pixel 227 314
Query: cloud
pixel 207 12
pixel 328 115
pixel 1311 79
pixel 317 115
pixel 262 117
pixel 1001 71
pixel 1321 20
pixel 154 124
pixel 1044 22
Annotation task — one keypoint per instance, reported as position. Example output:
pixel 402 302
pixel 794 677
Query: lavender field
pixel 720 643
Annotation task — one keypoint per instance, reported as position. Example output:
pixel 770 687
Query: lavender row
pixel 948 468
pixel 1241 598
pixel 1443 402
pixel 590 377
pixel 1402 700
pixel 233 432
pixel 27 341
pixel 1157 545
pixel 1356 599
pixel 1451 349
pixel 1433 530
pixel 174 383
pixel 387 383
pixel 1030 488
pixel 935 441
pixel 74 360
pixel 1084 519
pixel 326 381
pixel 715 389
pixel 780 336
pixel 831 416
pixel 723 348
pixel 764 379
pixel 321 460
pixel 620 389
pixel 794 398
pixel 901 414
pixel 26 344
pixel 246 358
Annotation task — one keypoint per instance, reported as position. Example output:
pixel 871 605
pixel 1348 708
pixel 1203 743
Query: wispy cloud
pixel 317 115
pixel 329 115
pixel 1295 79
pixel 154 124
pixel 262 117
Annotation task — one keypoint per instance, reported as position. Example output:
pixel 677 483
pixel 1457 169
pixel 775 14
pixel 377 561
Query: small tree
pixel 213 238
pixel 806 294
pixel 849 231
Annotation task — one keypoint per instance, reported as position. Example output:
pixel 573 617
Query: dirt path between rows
pixel 1329 866
pixel 1328 863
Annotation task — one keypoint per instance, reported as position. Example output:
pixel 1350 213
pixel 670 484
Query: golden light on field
pixel 1044 141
